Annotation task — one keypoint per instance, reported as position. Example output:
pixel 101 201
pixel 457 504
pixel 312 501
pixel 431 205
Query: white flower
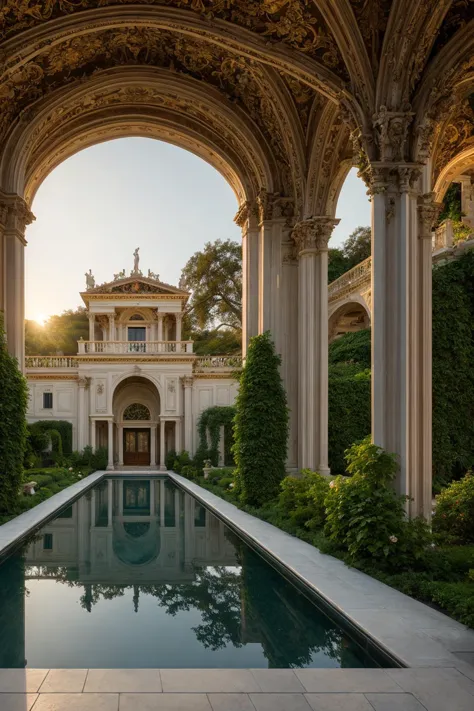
pixel 80 477
pixel 393 539
pixel 331 484
pixel 231 486
pixel 71 469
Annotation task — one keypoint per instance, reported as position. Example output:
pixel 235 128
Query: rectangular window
pixel 47 401
pixel 48 542
pixel 136 334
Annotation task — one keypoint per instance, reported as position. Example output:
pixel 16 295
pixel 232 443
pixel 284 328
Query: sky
pixel 94 209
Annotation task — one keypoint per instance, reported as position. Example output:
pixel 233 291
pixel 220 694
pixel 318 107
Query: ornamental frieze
pixel 297 23
pixel 457 134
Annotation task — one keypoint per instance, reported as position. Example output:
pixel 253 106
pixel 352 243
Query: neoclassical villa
pixel 283 98
pixel 135 386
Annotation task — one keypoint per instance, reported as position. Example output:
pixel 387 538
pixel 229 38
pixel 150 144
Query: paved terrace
pixel 438 651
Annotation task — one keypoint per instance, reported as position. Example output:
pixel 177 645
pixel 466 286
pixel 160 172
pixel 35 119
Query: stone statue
pixel 136 261
pixel 152 275
pixel 90 281
pixel 120 275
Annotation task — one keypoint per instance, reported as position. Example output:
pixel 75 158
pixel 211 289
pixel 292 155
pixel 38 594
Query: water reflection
pixel 146 577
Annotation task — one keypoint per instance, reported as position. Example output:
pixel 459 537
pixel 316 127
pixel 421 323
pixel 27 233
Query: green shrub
pixel 366 517
pixel 349 411
pixel 226 481
pixel 170 459
pixel 302 498
pixel 216 474
pixel 352 348
pixel 189 471
pixel 453 520
pixel 261 424
pixel 211 421
pixel 182 460
pixel 13 405
pixel 62 426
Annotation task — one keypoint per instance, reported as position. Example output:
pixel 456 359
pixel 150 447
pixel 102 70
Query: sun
pixel 41 319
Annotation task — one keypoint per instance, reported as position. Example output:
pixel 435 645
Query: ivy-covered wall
pixel 62 426
pixel 209 424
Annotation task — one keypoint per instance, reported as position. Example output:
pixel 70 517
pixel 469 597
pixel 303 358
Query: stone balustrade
pixel 350 280
pixel 218 362
pixel 443 235
pixel 51 362
pixel 134 347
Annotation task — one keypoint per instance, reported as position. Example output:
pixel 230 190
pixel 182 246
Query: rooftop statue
pixel 120 275
pixel 152 275
pixel 90 280
pixel 136 261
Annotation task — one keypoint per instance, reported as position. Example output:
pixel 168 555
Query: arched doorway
pixel 136 407
pixel 348 318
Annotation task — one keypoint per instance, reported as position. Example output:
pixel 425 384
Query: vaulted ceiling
pixel 268 91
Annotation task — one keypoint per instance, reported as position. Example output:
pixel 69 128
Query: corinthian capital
pixel 428 212
pixel 312 235
pixel 15 214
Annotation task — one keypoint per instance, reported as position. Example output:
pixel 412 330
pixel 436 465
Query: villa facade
pixel 135 386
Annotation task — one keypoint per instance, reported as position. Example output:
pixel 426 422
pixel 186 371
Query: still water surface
pixel 136 573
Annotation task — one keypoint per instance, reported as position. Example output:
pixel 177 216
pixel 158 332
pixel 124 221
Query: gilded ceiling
pixel 276 66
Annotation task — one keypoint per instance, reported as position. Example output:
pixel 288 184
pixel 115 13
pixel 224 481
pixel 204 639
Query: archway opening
pixel 136 407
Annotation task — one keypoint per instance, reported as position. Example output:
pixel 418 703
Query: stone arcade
pixel 135 386
pixel 282 97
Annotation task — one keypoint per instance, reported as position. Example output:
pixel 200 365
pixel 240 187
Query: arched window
pixel 136 411
pixel 136 317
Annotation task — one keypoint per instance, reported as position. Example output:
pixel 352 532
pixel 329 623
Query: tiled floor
pixel 236 690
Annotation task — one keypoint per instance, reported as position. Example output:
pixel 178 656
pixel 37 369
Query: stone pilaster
pixel 188 413
pixel 402 220
pixel 15 216
pixel 311 239
pixel 246 219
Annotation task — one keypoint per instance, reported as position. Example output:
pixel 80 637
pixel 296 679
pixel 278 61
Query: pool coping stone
pixel 410 632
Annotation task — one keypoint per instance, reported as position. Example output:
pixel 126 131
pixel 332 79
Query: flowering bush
pixel 453 521
pixel 302 498
pixel 367 517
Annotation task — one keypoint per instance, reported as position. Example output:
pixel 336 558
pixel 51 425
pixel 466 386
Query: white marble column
pixel 178 439
pixel 120 445
pixel 111 327
pixel 188 414
pixel 153 446
pixel 110 445
pixel 246 218
pixel 179 322
pixel 160 326
pixel 91 327
pixel 81 414
pixel 93 434
pixel 311 237
pixel 162 445
pixel 402 219
pixel 14 218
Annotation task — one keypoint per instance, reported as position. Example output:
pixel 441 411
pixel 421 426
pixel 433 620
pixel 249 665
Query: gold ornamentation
pixel 312 235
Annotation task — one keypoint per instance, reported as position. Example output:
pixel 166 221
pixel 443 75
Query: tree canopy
pixel 58 335
pixel 355 250
pixel 214 277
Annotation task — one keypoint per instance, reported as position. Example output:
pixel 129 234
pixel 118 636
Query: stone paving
pixel 236 690
pixel 438 651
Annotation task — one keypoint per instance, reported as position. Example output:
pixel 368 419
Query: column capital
pixel 84 382
pixel 15 214
pixel 188 381
pixel 394 177
pixel 273 206
pixel 312 235
pixel 428 212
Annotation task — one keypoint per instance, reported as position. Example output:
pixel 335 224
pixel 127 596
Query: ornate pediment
pixel 135 285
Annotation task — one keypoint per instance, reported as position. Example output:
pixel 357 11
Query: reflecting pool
pixel 136 573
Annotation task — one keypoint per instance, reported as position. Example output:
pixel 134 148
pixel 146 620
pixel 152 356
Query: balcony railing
pixel 207 363
pixel 51 362
pixel 351 279
pixel 132 348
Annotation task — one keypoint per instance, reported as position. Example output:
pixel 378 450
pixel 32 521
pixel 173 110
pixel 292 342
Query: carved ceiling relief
pixel 460 13
pixel 372 18
pixel 297 23
pixel 457 134
pixel 239 79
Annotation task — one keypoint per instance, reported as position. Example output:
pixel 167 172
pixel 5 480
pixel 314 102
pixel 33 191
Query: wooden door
pixel 136 447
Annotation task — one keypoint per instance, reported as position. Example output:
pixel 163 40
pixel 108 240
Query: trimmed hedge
pixel 352 348
pixel 64 428
pixel 349 410
pixel 13 405
pixel 261 424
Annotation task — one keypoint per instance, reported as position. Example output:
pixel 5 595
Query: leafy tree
pixel 357 246
pixel 216 342
pixel 214 276
pixel 58 335
pixel 13 405
pixel 261 424
pixel 337 264
pixel 451 204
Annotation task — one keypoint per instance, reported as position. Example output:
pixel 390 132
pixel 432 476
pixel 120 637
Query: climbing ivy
pixel 13 405
pixel 261 424
pixel 62 427
pixel 211 421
